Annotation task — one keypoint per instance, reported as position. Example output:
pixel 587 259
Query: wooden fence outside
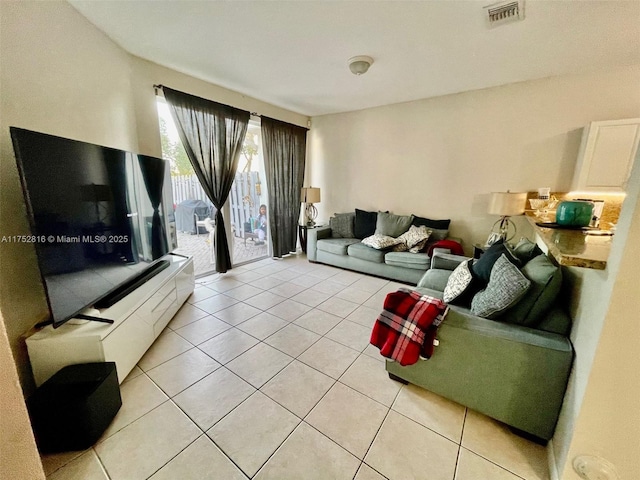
pixel 244 199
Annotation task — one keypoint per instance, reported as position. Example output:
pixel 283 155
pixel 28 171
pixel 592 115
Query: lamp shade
pixel 507 204
pixel 310 195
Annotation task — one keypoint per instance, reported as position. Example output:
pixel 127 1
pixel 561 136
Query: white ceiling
pixel 294 54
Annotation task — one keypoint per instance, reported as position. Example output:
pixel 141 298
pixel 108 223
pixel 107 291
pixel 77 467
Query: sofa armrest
pixel 446 261
pixel 313 235
pixel 512 373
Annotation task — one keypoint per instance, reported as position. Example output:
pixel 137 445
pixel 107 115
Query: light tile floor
pixel 267 373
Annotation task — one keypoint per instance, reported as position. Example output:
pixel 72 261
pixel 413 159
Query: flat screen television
pixel 97 219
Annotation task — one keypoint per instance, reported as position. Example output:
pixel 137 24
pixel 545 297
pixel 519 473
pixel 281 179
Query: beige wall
pixel 608 422
pixel 146 74
pixel 441 157
pixel 18 455
pixel 61 75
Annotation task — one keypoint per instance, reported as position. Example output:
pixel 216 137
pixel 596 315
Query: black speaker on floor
pixel 72 409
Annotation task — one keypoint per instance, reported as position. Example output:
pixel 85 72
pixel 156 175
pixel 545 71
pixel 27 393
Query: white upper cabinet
pixel 606 155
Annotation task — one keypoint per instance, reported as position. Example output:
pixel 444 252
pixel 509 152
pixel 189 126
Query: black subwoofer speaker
pixel 72 409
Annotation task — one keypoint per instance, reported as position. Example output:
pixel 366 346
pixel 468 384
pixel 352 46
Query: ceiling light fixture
pixel 360 64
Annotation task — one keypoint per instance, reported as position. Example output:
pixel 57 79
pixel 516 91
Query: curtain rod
pixel 157 87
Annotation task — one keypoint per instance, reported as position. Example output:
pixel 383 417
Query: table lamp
pixel 506 204
pixel 310 195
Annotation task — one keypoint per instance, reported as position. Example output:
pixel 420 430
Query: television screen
pixel 96 216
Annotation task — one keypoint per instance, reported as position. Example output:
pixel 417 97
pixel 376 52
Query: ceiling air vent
pixel 504 12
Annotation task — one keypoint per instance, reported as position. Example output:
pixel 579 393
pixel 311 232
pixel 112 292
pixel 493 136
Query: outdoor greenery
pixel 249 149
pixel 177 156
pixel 174 152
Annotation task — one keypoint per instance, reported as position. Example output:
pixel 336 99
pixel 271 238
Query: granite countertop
pixel 574 248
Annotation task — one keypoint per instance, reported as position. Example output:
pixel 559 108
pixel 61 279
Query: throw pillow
pixel 437 235
pixel 419 247
pixel 400 247
pixel 525 250
pixel 365 224
pixel 546 281
pixel 392 225
pixel 380 242
pixel 431 224
pixel 413 239
pixel 342 225
pixel 460 286
pixel 506 286
pixel 482 268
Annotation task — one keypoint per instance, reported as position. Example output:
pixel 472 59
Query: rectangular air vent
pixel 504 12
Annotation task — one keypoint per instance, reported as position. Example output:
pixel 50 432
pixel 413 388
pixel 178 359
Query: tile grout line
pixel 289 322
pixel 464 422
pixel 378 433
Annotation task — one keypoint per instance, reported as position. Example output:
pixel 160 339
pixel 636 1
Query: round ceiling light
pixel 360 64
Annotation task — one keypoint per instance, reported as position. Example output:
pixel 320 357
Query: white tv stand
pixel 138 320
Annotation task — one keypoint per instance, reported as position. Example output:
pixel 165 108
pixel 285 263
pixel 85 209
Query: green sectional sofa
pixel 514 373
pixel 341 244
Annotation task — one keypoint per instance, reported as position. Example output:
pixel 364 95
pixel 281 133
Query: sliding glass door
pixel 193 214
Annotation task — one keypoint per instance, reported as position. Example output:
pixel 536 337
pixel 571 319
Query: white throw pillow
pixel 413 239
pixel 380 242
pixel 459 281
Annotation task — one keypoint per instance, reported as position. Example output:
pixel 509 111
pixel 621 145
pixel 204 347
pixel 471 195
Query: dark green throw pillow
pixel 525 250
pixel 482 268
pixel 365 223
pixel 431 224
pixel 506 286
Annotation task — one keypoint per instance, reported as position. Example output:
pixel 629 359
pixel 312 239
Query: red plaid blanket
pixel 406 328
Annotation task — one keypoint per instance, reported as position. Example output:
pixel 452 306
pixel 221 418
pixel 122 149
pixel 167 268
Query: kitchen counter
pixel 573 248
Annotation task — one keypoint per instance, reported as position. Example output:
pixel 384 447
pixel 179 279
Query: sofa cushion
pixel 431 224
pixel 556 320
pixel 435 280
pixel 483 267
pixel 416 261
pixel 342 225
pixel 337 246
pixel 392 225
pixel 525 250
pixel 380 242
pixel 546 281
pixel 365 223
pixel 363 252
pixel 461 286
pixel 506 286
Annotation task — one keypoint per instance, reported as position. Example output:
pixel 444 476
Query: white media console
pixel 138 320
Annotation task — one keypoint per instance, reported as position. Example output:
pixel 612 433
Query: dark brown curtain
pixel 153 176
pixel 284 149
pixel 212 135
